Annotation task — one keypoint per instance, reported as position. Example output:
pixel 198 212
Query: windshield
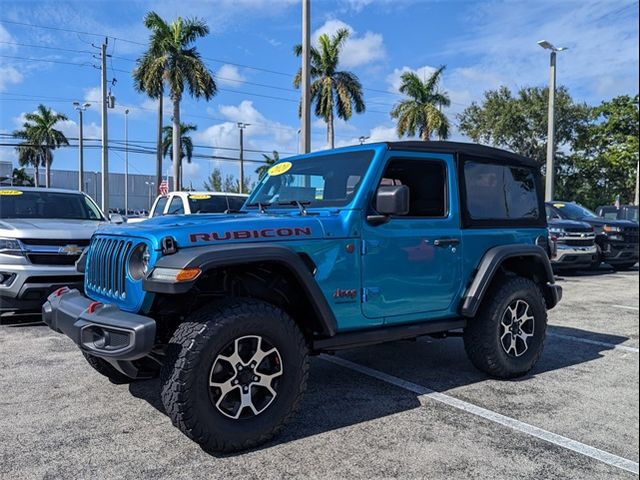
pixel 573 211
pixel 38 204
pixel 319 181
pixel 201 203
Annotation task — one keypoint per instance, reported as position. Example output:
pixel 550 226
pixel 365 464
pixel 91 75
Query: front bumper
pixel 574 257
pixel 99 329
pixel 31 284
pixel 615 253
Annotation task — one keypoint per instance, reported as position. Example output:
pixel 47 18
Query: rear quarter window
pixel 502 194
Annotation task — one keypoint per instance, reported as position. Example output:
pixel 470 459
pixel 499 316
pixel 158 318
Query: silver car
pixel 42 234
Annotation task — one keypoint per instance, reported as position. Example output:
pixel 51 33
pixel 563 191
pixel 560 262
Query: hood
pixel 45 228
pixel 570 225
pixel 198 230
pixel 601 222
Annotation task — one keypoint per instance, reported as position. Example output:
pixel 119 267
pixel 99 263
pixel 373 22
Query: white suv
pixel 186 203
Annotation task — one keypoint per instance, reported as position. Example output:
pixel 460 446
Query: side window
pixel 427 182
pixel 176 207
pixel 500 192
pixel 159 208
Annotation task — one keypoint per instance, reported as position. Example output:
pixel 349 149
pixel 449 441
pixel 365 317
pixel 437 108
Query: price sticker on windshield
pixel 199 196
pixel 279 169
pixel 558 205
pixel 11 193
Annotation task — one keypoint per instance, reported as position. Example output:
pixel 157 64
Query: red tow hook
pixel 60 291
pixel 93 306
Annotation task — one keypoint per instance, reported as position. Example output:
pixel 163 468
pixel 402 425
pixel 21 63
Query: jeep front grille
pixel 106 266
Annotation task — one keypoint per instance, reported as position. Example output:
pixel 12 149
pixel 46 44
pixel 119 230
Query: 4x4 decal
pixel 245 234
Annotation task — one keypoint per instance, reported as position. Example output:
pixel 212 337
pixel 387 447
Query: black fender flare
pixel 490 265
pixel 211 257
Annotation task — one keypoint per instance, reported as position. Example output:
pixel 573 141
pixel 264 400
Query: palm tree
pixel 268 161
pixel 21 178
pixel 41 138
pixel 186 144
pixel 331 88
pixel 172 59
pixel 421 111
pixel 29 154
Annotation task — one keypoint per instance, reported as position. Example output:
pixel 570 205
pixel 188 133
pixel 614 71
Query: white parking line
pixel 612 346
pixel 626 307
pixel 581 448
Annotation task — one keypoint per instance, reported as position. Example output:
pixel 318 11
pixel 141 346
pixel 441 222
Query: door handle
pixel 446 242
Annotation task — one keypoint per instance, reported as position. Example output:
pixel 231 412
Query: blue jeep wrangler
pixel 332 250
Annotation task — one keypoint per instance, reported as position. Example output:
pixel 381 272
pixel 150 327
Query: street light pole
pixel 81 108
pixel 242 126
pixel 126 162
pixel 150 184
pixel 551 128
pixel 105 139
pixel 306 79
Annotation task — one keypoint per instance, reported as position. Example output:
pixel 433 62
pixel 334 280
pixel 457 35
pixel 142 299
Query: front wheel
pixel 234 375
pixel 506 338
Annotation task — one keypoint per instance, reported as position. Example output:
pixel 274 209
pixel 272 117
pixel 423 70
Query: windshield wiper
pixel 261 206
pixel 300 205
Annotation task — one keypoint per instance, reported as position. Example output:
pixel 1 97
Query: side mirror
pixel 393 200
pixel 390 200
pixel 116 218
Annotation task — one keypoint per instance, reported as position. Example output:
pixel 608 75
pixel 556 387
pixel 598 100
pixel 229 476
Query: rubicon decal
pixel 247 234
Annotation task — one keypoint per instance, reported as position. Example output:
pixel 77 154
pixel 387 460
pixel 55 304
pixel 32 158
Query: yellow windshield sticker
pixel 279 169
pixel 200 196
pixel 558 205
pixel 11 193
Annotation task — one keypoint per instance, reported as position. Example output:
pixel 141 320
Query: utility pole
pixel 551 131
pixel 126 162
pixel 242 126
pixel 81 108
pixel 105 134
pixel 306 80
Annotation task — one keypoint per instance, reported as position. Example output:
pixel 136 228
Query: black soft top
pixel 471 149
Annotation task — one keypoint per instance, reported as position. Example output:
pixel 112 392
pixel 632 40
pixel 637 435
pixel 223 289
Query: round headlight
pixel 139 262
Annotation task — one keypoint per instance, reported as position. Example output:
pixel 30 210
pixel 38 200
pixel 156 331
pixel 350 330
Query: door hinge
pixel 369 292
pixel 366 244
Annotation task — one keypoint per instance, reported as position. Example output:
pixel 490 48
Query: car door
pixel 411 265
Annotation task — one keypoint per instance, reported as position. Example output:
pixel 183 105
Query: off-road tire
pixel 194 347
pixel 104 368
pixel 482 334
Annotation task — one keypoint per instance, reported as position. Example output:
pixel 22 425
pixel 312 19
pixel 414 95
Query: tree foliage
pixel 604 160
pixel 420 113
pixel 40 139
pixel 269 160
pixel 331 89
pixel 519 122
pixel 186 144
pixel 217 182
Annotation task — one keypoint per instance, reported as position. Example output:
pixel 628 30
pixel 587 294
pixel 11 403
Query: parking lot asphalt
pixel 404 409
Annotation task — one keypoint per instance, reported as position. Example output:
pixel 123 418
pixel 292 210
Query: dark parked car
pixel 575 243
pixel 616 240
pixel 624 212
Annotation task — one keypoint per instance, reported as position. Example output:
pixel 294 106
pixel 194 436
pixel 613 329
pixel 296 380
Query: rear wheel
pixel 234 375
pixel 105 368
pixel 506 338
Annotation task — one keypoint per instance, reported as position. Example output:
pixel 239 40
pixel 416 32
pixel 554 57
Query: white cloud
pixel 394 78
pixel 380 133
pixel 9 76
pixel 358 50
pixel 6 39
pixel 229 75
pixel 71 130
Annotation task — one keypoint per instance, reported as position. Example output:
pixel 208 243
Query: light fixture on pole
pixel 242 126
pixel 81 107
pixel 126 162
pixel 551 132
pixel 363 139
pixel 150 184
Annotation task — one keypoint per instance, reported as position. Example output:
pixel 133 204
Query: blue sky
pixel 483 44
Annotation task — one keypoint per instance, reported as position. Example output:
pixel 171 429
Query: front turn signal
pixel 188 274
